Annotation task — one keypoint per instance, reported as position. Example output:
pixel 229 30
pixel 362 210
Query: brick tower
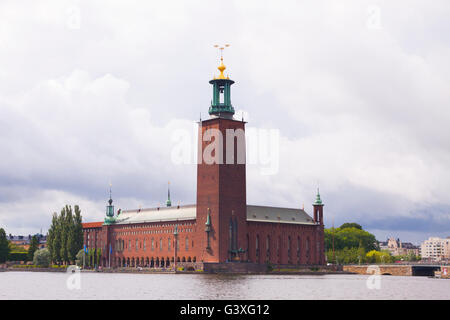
pixel 221 187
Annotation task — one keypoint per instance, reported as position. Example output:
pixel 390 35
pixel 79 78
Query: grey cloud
pixel 361 112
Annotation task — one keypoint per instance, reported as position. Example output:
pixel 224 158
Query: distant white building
pixel 435 249
pixel 398 248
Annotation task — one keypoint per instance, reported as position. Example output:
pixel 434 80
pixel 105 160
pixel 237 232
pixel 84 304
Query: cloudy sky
pixel 91 92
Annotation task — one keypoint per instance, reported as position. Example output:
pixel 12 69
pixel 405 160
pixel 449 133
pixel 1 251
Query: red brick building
pixel 221 227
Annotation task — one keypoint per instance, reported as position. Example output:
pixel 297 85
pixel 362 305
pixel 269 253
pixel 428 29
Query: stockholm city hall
pixel 221 232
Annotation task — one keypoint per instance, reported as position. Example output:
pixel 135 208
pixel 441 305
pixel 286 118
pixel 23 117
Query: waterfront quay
pixel 400 269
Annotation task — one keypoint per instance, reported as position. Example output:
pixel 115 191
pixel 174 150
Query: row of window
pixel 269 244
pixel 121 245
pixel 128 233
pixel 180 224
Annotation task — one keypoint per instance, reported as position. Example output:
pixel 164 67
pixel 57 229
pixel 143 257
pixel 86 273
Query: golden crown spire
pixel 221 67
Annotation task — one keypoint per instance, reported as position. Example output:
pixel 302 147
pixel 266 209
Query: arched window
pixel 307 250
pixel 187 244
pixel 257 246
pixel 248 247
pixel 289 249
pixel 137 245
pixel 235 234
pixel 168 244
pixel 160 244
pixel 153 244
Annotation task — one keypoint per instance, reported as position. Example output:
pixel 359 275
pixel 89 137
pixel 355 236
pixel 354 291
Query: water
pixel 43 285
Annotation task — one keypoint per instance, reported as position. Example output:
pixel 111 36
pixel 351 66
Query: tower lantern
pixel 168 202
pixel 221 102
pixel 318 209
pixel 109 210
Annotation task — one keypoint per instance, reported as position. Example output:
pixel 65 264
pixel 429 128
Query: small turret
pixel 221 102
pixel 318 209
pixel 110 210
pixel 318 201
pixel 168 202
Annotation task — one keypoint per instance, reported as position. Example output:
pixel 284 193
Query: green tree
pixel 77 240
pixel 65 236
pixel 347 256
pixel 4 246
pixel 351 225
pixel 79 258
pixel 349 238
pixel 54 239
pixel 65 229
pixel 34 245
pixel 42 257
pixel 375 256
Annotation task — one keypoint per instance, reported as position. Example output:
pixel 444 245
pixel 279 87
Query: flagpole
pixel 110 255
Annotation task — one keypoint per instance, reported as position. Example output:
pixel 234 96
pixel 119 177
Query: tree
pixel 75 239
pixel 54 239
pixel 42 257
pixel 4 246
pixel 65 228
pixel 350 237
pixel 374 256
pixel 351 225
pixel 347 256
pixel 65 236
pixel 79 258
pixel 34 245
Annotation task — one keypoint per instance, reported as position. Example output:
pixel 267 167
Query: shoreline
pixel 143 271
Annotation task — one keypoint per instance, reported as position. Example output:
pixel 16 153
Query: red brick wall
pixel 222 189
pixel 279 235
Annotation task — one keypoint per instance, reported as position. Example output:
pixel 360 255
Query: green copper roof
pixel 109 220
pixel 168 202
pixel 318 201
pixel 221 101
pixel 208 222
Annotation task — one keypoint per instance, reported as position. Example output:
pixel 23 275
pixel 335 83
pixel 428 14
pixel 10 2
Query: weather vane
pixel 221 48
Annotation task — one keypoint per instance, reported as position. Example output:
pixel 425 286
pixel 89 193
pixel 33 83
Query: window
pixel 187 244
pixel 289 249
pixel 168 244
pixel 257 246
pixel 153 244
pixel 307 249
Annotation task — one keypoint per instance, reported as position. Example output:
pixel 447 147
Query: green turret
pixel 208 223
pixel 168 202
pixel 110 211
pixel 221 102
pixel 318 201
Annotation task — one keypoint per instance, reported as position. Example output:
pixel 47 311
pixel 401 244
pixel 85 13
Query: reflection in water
pixel 41 285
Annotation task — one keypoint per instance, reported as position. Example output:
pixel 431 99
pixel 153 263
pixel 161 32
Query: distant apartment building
pixel 435 249
pixel 24 241
pixel 398 248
